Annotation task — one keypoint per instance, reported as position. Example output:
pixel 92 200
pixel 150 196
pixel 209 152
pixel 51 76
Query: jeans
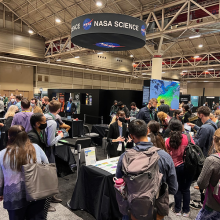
pixel 184 183
pixel 34 211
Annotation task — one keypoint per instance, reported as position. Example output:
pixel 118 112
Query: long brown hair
pixel 216 143
pixel 19 148
pixel 155 136
pixel 175 134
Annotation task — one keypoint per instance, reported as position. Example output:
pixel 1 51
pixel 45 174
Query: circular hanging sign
pixel 108 32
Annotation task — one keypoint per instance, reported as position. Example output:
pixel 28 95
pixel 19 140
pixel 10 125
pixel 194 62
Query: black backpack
pixel 193 159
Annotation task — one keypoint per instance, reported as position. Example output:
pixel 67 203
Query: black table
pixel 99 129
pixel 76 129
pixel 94 192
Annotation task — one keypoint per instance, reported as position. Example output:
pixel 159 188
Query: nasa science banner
pixel 108 31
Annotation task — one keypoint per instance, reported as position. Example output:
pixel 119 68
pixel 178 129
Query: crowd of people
pixel 31 135
pixel 155 127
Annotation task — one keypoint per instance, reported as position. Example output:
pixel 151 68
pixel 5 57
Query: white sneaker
pixel 176 213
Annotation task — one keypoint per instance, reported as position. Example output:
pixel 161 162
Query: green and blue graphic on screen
pixel 167 90
pixel 195 100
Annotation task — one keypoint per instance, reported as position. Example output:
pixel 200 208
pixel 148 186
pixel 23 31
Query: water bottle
pixel 119 185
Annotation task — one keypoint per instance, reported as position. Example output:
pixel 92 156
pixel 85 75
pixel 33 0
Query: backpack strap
pixel 212 125
pixel 188 137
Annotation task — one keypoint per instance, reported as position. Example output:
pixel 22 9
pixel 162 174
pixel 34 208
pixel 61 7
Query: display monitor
pixel 146 95
pixel 195 101
pixel 167 90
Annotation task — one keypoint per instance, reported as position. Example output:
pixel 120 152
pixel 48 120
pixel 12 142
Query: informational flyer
pixel 90 156
pixel 109 165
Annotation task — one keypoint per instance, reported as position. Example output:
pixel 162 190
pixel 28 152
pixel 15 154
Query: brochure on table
pixel 90 156
pixel 109 165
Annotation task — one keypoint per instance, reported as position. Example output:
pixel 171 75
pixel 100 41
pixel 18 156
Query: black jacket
pixel 36 139
pixel 164 108
pixel 147 115
pixel 8 122
pixel 72 109
pixel 114 134
pixel 186 117
pixel 126 110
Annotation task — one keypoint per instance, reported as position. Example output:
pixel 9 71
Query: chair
pixel 87 133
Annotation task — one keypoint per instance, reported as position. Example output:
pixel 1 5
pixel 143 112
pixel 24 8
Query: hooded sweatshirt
pixel 23 118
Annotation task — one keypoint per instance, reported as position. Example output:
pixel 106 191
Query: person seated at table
pixel 61 124
pixel 117 135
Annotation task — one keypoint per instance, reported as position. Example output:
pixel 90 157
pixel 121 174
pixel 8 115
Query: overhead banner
pixel 108 32
pixel 195 100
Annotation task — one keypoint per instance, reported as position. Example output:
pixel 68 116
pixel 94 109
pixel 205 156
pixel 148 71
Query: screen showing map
pixel 167 90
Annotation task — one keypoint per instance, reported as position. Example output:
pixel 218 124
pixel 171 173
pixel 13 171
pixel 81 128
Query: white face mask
pixel 12 100
pixel 32 104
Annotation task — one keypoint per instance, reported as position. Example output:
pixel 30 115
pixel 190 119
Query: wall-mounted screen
pixel 195 101
pixel 167 90
pixel 146 95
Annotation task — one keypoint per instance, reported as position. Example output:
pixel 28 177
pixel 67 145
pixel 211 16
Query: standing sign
pixel 108 32
pixel 195 101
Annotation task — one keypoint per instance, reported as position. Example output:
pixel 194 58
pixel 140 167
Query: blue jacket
pixel 147 115
pixel 204 136
pixel 165 163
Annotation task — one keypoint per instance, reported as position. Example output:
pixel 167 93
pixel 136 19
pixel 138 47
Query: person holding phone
pixel 117 135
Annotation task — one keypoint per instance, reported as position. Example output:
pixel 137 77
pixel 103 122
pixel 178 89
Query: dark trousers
pixel 184 183
pixel 34 211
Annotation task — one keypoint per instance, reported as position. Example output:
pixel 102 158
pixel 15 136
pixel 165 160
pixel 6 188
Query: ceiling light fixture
pixel 58 20
pixel 210 69
pixel 58 59
pixel 144 73
pixel 196 57
pixel 100 53
pixel 131 55
pixel 30 31
pixel 200 45
pixel 195 36
pixel 163 72
pixel 184 71
pixel 99 4
pixel 77 57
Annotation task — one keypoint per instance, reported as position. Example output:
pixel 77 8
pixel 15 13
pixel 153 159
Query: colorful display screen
pixel 167 90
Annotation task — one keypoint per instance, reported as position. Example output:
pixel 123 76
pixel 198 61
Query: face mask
pixel 12 100
pixel 122 119
pixel 44 104
pixel 152 108
pixel 32 105
pixel 42 126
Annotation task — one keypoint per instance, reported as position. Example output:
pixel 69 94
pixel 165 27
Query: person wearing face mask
pixel 122 107
pixel 33 104
pixel 12 101
pixel 134 110
pixel 148 113
pixel 70 107
pixel 18 100
pixel 114 109
pixel 38 136
pixel 203 139
pixel 117 135
pixel 45 104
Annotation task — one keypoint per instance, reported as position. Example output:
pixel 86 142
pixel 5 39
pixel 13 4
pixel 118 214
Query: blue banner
pixel 195 100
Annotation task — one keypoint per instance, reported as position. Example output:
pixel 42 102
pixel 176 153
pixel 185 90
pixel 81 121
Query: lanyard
pixel 25 111
pixel 41 135
pixel 52 116
pixel 152 117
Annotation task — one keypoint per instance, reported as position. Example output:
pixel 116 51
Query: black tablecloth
pixel 94 193
pixel 76 129
pixel 99 129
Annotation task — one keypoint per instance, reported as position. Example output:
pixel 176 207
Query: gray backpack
pixel 143 184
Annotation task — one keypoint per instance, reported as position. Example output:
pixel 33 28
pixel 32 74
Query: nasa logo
pixel 107 45
pixel 143 30
pixel 87 24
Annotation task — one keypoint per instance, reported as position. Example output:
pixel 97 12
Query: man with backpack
pixel 140 167
pixel 204 139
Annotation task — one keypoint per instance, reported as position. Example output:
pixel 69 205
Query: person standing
pixel 209 179
pixel 148 113
pixel 122 107
pixel 2 110
pixel 33 104
pixel 176 144
pixel 213 105
pixel 134 110
pixel 23 118
pixel 114 109
pixel 186 113
pixel 163 107
pixel 12 101
pixel 117 135
pixel 18 100
pixel 45 104
pixel 190 105
pixel 214 119
pixel 19 152
pixel 70 107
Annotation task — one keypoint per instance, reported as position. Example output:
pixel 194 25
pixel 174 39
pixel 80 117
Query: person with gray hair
pixel 163 107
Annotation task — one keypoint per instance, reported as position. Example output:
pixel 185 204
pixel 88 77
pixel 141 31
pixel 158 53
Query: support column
pixel 157 67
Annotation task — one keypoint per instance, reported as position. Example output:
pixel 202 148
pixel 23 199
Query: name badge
pixel 68 108
pixel 119 147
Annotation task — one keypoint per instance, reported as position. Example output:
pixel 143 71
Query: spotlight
pixel 30 31
pixel 58 20
pixel 131 55
pixel 195 36
pixel 200 46
pixel 99 4
pixel 77 57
